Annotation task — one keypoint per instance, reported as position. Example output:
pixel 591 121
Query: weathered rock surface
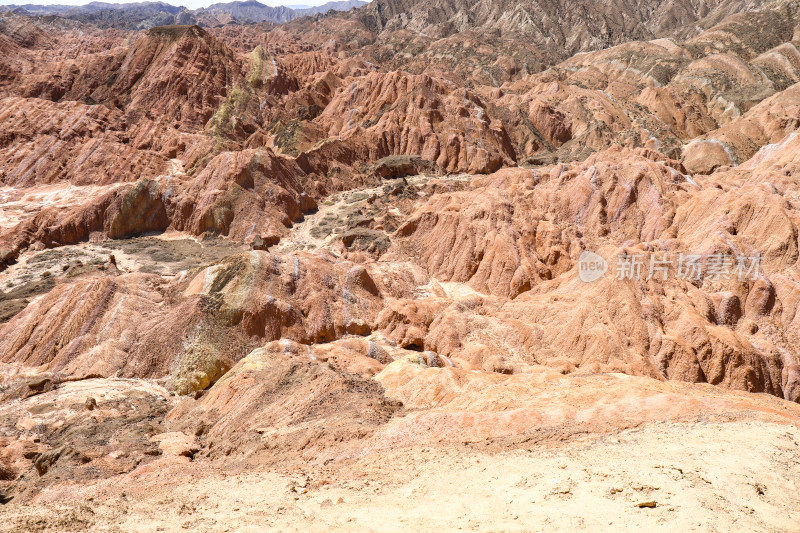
pixel 192 330
pixel 397 114
pixel 51 436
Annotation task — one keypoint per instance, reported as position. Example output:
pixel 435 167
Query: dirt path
pixel 320 229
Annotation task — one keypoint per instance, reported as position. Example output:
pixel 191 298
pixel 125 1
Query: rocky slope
pixel 358 238
pixel 582 24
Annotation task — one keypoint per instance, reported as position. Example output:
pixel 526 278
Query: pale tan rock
pixel 176 443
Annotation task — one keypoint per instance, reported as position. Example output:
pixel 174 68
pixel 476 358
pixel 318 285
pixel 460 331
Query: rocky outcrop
pixel 192 330
pixel 737 141
pixel 281 406
pixel 57 435
pixel 517 227
pixel 519 234
pixel 242 195
pixel 396 114
pixel 45 142
pixel 122 212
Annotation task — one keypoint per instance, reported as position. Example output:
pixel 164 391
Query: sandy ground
pixel 706 476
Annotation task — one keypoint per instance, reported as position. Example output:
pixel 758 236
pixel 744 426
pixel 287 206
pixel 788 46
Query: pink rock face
pixel 518 235
pixel 766 123
pixel 78 329
pixel 398 114
pixel 516 228
pixel 241 195
pixel 45 142
pixel 445 403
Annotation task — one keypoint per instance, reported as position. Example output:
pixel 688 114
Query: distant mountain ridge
pixel 254 11
pixel 143 15
pixel 250 11
pixel 568 26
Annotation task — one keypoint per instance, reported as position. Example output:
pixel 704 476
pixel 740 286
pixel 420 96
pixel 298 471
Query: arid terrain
pixel 328 272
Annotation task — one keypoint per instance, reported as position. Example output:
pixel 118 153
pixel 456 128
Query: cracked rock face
pixel 308 247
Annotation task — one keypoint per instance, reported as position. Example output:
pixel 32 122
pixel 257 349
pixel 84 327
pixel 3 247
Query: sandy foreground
pixel 701 476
